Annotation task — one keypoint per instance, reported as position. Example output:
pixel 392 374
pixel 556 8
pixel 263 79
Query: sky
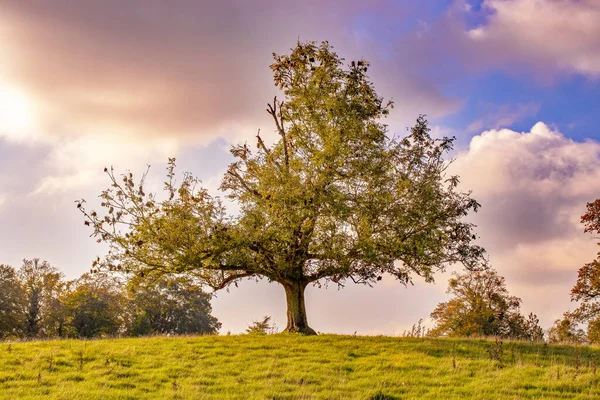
pixel 88 84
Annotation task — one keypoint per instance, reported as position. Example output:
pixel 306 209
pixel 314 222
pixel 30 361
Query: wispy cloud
pixel 500 116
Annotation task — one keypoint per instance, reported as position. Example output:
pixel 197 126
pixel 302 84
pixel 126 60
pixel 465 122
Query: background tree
pixel 41 283
pixel 565 330
pixel 593 331
pixel 532 329
pixel 335 199
pixel 12 304
pixel 481 306
pixel 56 315
pixel 587 288
pixel 173 305
pixel 93 306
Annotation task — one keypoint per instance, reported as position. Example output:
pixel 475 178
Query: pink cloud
pixel 193 70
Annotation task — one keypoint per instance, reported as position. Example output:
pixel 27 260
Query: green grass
pixel 294 367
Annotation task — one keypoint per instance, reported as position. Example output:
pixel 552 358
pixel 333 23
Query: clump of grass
pixel 80 360
pixel 50 362
pixel 496 350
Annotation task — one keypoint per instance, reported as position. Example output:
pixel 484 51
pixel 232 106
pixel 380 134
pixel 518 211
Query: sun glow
pixel 16 114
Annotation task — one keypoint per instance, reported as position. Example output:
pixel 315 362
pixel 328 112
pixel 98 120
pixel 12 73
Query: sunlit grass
pixel 294 367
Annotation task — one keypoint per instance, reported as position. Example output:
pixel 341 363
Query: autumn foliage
pixel 587 289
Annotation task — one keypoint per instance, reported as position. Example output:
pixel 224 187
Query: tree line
pixel 37 302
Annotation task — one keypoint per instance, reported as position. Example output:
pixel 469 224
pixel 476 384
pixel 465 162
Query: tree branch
pixel 243 183
pixel 261 145
pixel 272 110
pixel 226 281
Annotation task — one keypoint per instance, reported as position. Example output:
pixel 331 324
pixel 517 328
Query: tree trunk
pixel 296 309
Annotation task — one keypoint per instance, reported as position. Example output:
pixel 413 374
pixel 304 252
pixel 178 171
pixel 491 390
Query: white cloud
pixel 561 34
pixel 73 163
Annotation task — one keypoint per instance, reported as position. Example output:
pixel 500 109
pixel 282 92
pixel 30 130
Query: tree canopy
pixel 565 330
pixel 336 198
pixel 41 283
pixel 175 305
pixel 93 306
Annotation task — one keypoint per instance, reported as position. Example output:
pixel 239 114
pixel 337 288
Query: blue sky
pixel 570 104
pixel 88 84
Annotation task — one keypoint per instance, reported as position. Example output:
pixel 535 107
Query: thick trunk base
pixel 305 331
pixel 296 310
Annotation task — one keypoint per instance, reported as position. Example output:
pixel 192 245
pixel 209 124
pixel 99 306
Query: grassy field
pixel 295 367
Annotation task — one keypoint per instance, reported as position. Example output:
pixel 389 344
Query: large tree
pixel 335 198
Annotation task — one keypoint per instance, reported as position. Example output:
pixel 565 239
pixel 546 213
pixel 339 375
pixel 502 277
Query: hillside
pixel 295 367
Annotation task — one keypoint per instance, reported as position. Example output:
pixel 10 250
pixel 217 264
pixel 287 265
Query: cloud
pixel 79 161
pixel 41 183
pixel 546 34
pixel 194 71
pixel 188 70
pixel 533 187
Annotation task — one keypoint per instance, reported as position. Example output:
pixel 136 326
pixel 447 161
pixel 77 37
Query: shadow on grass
pixel 382 396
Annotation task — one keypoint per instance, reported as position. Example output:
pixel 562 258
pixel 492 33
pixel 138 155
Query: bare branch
pixel 272 110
